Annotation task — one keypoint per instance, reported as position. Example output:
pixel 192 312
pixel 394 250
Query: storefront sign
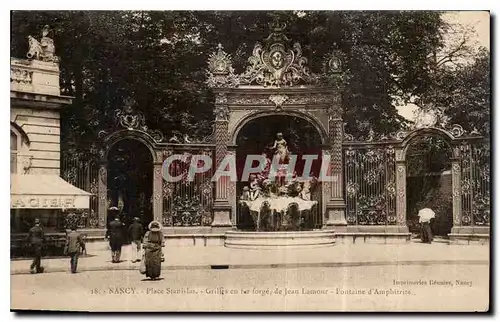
pixel 32 202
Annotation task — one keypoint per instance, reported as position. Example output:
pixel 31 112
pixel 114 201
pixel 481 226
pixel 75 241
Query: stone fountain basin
pixel 276 239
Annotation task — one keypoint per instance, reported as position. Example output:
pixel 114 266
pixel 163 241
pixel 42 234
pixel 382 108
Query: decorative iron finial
pixel 220 70
pixel 333 63
pixel 128 104
pixel 277 26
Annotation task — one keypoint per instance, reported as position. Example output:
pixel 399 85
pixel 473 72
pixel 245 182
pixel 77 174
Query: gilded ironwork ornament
pixel 457 130
pixel 278 100
pixel 132 120
pixel 221 112
pixel 333 62
pixel 220 72
pixel 127 118
pixel 276 64
pixel 370 179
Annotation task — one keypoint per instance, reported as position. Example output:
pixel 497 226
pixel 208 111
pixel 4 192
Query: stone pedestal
pixel 335 212
pixel 469 235
pixel 222 216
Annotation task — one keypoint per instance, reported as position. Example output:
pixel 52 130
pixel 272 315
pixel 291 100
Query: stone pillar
pixel 335 205
pixel 222 207
pixel 400 159
pixel 456 171
pixel 231 189
pixel 401 193
pixel 103 195
pixel 157 192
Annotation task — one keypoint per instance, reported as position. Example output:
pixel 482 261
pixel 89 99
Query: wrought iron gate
pixel 83 175
pixel 475 183
pixel 370 184
pixel 188 203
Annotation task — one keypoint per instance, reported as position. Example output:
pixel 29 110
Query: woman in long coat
pixel 153 243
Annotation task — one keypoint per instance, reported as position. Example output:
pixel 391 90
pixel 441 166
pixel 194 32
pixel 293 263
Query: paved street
pixel 339 255
pixel 363 288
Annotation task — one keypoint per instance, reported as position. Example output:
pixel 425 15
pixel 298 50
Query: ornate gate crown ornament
pixel 274 64
pixel 132 120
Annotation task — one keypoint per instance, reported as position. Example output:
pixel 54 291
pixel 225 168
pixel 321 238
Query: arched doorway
pixel 130 180
pixel 257 137
pixel 429 182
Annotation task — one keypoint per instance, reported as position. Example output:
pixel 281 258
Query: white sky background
pixel 480 20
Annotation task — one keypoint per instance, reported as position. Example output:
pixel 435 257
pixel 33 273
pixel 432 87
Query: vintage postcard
pixel 229 161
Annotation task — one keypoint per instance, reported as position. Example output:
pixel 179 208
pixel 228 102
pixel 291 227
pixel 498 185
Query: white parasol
pixel 426 214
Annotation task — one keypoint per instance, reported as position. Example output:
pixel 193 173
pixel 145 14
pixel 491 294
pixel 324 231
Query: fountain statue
pixel 272 201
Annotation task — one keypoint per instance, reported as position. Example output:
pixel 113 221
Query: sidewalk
pixel 221 257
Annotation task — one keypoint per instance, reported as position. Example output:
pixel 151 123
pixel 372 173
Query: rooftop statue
pixel 44 49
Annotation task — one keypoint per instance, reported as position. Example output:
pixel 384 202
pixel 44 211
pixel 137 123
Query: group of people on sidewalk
pixel 74 243
pixel 151 241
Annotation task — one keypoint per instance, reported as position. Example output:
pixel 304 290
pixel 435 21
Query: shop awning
pixel 45 192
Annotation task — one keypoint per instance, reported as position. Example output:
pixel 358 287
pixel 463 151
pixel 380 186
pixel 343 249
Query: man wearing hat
pixel 135 232
pixel 36 239
pixel 74 242
pixel 115 234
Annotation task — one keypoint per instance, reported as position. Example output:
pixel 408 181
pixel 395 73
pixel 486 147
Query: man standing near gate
pixel 115 234
pixel 36 239
pixel 135 232
pixel 74 242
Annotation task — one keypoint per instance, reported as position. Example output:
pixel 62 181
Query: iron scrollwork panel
pixel 83 174
pixel 475 183
pixel 188 203
pixel 370 183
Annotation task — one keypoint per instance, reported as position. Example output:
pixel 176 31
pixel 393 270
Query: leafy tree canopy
pixel 159 58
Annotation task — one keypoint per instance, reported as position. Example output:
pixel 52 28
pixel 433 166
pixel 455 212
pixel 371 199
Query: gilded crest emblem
pixel 277 59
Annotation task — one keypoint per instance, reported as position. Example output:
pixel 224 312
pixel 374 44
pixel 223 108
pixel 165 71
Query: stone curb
pixel 259 266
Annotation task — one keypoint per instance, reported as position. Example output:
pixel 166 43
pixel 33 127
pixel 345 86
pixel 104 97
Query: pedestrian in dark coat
pixel 135 232
pixel 116 239
pixel 74 242
pixel 36 238
pixel 153 243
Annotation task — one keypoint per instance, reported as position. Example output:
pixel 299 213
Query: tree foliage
pixel 159 58
pixel 461 95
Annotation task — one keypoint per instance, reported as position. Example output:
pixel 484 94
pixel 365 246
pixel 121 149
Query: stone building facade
pixel 37 190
